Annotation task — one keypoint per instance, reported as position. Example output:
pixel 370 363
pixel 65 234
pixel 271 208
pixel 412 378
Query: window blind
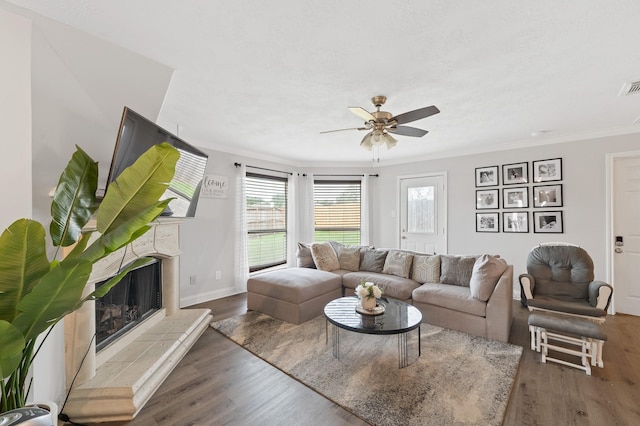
pixel 337 211
pixel 266 221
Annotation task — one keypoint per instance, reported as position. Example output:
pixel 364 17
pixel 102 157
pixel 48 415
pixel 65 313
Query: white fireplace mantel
pixel 114 384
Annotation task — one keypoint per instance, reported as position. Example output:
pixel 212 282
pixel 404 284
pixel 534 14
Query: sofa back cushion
pixel 426 268
pixel 487 270
pixel 373 260
pixel 349 258
pixel 324 257
pixel 456 270
pixel 398 263
pixel 303 256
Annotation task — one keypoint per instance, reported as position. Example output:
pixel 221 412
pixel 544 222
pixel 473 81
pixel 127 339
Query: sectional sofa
pixel 472 294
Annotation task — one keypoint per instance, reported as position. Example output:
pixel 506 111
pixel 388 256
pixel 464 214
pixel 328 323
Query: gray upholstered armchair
pixel 560 279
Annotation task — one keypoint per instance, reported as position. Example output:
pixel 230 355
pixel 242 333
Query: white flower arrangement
pixel 368 290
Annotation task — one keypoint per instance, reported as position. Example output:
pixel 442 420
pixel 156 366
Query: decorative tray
pixel 378 310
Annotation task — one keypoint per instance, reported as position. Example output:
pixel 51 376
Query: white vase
pixel 368 302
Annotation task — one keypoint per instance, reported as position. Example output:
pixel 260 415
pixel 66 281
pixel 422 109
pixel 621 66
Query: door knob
pixel 404 238
pixel 618 250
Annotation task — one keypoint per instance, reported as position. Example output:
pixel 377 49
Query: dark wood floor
pixel 219 383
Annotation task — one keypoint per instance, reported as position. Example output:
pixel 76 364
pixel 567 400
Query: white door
pixel 626 234
pixel 423 204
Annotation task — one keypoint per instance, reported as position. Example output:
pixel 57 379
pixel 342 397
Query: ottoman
pixel 587 337
pixel 294 294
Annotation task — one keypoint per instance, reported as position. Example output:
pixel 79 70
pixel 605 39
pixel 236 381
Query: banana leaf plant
pixel 35 292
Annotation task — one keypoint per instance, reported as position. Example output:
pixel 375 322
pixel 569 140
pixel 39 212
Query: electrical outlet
pixel 218 275
pixel 192 280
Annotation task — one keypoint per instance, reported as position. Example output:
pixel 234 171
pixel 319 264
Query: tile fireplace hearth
pixel 115 383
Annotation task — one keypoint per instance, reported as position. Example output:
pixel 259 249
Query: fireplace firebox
pixel 137 296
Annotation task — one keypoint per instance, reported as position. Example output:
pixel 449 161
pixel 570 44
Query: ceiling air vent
pixel 630 88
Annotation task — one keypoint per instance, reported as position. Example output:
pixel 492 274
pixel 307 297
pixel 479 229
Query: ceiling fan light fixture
pixel 389 140
pixel 366 142
pixel 378 137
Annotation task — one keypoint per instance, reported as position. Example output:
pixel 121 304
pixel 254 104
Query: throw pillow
pixel 487 270
pixel 398 263
pixel 426 269
pixel 373 260
pixel 303 256
pixel 456 270
pixel 324 257
pixel 349 258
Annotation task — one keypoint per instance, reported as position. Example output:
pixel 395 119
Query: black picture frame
pixel 515 197
pixel 487 199
pixel 548 222
pixel 515 173
pixel 487 176
pixel 515 222
pixel 547 170
pixel 487 222
pixel 545 196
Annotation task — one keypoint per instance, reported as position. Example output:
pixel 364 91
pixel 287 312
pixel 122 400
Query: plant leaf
pixel 74 199
pixel 24 262
pixel 138 188
pixel 11 346
pixel 56 295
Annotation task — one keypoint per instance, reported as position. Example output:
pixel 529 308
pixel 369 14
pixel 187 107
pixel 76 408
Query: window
pixel 337 211
pixel 266 221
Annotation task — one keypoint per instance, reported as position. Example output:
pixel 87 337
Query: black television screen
pixel 135 136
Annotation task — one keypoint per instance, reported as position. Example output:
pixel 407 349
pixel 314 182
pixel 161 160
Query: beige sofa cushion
pixel 426 269
pixel 398 263
pixel 349 258
pixel 324 257
pixel 487 270
pixel 456 298
pixel 391 285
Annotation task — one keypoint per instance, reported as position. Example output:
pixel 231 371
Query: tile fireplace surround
pixel 114 384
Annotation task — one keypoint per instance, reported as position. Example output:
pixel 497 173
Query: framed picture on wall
pixel 515 198
pixel 515 222
pixel 547 170
pixel 547 196
pixel 487 222
pixel 487 176
pixel 515 173
pixel 548 222
pixel 487 199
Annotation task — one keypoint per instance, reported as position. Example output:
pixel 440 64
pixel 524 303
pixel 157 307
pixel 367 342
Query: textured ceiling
pixel 265 78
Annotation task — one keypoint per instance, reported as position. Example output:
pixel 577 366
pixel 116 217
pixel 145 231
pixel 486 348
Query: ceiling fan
pixel 381 124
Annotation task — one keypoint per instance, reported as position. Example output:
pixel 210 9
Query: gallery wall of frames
pixel 514 198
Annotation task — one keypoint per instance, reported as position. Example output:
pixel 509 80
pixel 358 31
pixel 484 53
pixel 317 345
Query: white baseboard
pixel 210 295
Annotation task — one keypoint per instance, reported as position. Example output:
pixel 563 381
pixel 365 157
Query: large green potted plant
pixel 35 292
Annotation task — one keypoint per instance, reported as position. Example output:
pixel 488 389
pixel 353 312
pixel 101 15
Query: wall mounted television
pixel 136 135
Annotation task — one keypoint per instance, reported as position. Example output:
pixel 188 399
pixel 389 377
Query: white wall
pixel 15 117
pixel 584 194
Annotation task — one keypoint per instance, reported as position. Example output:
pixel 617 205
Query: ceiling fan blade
pixel 362 113
pixel 417 114
pixel 407 131
pixel 342 130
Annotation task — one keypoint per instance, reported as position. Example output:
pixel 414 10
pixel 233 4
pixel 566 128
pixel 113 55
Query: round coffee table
pixel 398 318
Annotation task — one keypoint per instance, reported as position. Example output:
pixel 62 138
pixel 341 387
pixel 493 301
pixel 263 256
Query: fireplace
pixel 136 297
pixel 115 383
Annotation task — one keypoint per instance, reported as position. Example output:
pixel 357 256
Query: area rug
pixel 459 379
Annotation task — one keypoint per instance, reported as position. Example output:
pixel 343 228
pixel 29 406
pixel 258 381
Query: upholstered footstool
pixel 294 294
pixel 586 337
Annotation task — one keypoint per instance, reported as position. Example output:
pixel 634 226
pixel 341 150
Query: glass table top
pixel 398 317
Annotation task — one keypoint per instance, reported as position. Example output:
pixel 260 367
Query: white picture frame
pixel 515 197
pixel 487 199
pixel 548 222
